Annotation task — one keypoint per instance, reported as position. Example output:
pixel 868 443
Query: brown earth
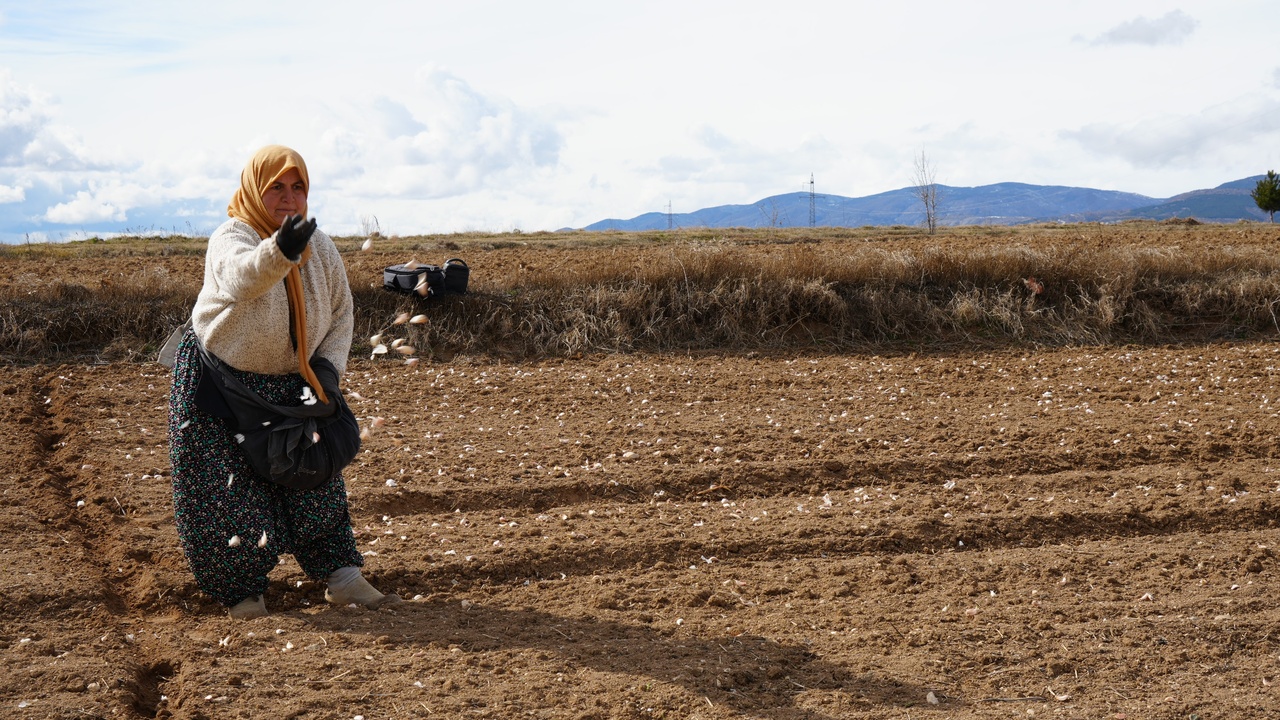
pixel 1083 532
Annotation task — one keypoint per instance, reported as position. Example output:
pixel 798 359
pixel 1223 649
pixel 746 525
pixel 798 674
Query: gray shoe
pixel 254 606
pixel 357 590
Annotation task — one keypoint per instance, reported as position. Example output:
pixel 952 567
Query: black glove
pixel 293 236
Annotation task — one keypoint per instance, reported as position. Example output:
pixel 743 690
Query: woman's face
pixel 286 196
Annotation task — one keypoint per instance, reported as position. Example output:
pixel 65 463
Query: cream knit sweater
pixel 242 312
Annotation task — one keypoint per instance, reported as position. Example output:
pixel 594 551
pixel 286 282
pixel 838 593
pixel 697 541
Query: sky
pixel 425 117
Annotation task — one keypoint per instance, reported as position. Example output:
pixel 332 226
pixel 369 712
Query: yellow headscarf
pixel 266 166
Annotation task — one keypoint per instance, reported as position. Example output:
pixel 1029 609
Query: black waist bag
pixel 423 279
pixel 300 447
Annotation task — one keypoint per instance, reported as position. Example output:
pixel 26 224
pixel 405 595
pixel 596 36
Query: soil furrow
pixel 95 525
pixel 1099 473
pixel 93 522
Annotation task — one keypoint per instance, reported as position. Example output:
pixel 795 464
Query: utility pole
pixel 813 205
pixel 669 218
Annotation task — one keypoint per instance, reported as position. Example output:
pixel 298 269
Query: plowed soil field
pixel 1083 532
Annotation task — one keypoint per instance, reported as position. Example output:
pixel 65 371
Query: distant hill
pixel 999 204
pixel 1228 202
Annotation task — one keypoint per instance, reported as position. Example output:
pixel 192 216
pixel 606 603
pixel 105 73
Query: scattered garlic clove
pixel 379 349
pixel 376 340
pixel 406 350
pixel 401 319
pixel 367 245
pixel 397 343
pixel 417 319
pixel 234 541
pixel 262 541
pixel 411 361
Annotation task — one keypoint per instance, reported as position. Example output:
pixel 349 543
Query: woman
pixel 233 523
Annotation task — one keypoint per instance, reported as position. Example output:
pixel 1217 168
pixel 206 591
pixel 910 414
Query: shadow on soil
pixel 748 673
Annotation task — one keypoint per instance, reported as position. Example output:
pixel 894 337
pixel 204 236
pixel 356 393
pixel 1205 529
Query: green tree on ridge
pixel 1267 194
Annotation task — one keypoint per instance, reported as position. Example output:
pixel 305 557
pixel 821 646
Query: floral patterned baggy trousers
pixel 217 496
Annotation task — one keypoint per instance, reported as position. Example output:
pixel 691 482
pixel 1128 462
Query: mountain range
pixel 1000 204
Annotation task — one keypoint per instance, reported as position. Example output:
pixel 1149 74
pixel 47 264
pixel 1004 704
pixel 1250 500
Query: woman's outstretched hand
pixel 293 236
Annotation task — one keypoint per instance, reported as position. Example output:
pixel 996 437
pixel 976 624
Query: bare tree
pixel 926 189
pixel 773 216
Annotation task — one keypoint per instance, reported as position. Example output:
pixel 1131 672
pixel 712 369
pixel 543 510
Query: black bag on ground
pixel 421 280
pixel 456 273
pixel 299 447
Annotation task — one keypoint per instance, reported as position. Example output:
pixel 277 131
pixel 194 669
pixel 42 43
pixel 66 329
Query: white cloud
pixel 1157 143
pixel 1172 28
pixel 396 119
pixel 432 157
pixel 28 137
pixel 84 208
pixel 22 118
pixel 441 139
